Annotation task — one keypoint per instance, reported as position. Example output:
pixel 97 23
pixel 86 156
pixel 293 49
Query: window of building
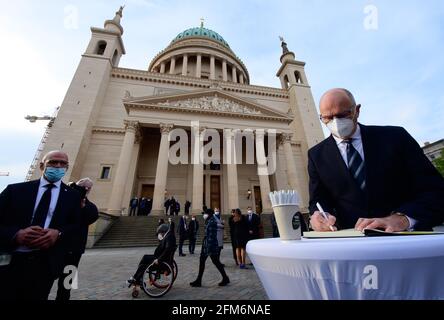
pixel 105 173
pixel 116 54
pixel 101 46
pixel 298 77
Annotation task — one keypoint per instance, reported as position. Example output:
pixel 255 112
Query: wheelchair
pixel 158 279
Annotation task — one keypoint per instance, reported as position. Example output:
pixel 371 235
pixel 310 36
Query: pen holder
pixel 288 221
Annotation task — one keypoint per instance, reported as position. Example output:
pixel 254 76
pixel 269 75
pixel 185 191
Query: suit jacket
pixel 253 225
pixel 16 209
pixel 399 178
pixel 183 232
pixel 193 228
pixel 88 215
pixel 166 248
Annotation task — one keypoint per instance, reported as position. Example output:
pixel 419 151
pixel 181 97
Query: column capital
pixel 131 125
pixel 165 128
pixel 285 138
pixel 259 133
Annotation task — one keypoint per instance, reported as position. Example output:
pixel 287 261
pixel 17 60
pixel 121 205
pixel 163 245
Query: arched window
pixel 101 46
pixel 286 82
pixel 298 77
pixel 115 57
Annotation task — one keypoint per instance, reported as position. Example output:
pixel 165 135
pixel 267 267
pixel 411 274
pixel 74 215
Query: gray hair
pixel 163 228
pixel 85 182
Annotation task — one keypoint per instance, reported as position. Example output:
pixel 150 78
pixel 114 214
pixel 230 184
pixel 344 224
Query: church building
pixel 116 124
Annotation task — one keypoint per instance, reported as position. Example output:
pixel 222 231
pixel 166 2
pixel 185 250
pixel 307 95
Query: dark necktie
pixel 43 207
pixel 356 165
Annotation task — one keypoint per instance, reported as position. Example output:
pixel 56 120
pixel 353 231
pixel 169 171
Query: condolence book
pixel 352 233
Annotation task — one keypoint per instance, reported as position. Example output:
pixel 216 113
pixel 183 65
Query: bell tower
pixel 72 129
pixel 306 127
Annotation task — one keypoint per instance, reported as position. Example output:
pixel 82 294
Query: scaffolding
pixel 42 144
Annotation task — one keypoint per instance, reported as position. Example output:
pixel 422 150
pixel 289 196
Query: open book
pixel 352 233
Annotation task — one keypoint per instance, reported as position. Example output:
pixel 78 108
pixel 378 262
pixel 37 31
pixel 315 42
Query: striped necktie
pixel 356 165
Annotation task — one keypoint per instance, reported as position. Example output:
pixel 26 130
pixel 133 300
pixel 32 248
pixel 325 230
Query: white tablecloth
pixel 408 267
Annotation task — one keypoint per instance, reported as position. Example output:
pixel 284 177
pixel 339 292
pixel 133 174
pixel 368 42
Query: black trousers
pixel 63 293
pixel 215 259
pixel 146 261
pixel 181 241
pixel 28 277
pixel 234 251
pixel 192 245
pixel 133 211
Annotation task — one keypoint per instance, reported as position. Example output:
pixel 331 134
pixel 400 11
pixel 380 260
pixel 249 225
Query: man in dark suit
pixel 370 176
pixel 253 222
pixel 134 203
pixel 183 234
pixel 88 215
pixel 37 222
pixel 193 230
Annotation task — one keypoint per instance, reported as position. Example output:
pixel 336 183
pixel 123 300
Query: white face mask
pixel 205 216
pixel 194 219
pixel 160 237
pixel 341 128
pixel 250 212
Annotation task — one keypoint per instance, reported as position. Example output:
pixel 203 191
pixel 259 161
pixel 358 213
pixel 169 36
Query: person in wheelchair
pixel 163 253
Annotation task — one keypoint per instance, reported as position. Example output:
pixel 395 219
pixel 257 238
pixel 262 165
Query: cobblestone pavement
pixel 103 272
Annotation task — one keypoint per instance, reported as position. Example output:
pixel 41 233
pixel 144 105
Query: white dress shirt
pixel 357 144
pixel 55 192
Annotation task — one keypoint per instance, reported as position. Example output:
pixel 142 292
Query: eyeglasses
pixel 345 114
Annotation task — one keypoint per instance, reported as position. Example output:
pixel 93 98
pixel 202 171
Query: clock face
pixel 296 222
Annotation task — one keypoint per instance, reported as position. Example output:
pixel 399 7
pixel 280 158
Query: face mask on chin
pixel 54 174
pixel 341 128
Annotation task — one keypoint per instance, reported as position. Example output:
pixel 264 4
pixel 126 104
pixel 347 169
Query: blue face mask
pixel 54 174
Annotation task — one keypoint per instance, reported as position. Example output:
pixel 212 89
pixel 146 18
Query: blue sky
pixel 395 71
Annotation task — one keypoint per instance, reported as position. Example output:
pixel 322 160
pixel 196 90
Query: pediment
pixel 208 101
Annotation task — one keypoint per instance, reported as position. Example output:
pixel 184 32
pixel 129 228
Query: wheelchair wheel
pixel 158 280
pixel 175 270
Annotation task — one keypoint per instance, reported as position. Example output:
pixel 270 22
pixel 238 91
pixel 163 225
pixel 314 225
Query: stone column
pixel 162 170
pixel 199 66
pixel 234 74
pixel 185 65
pixel 224 71
pixel 212 68
pixel 291 165
pixel 162 67
pixel 197 202
pixel 120 178
pixel 230 151
pixel 263 171
pixel 172 65
pixel 241 78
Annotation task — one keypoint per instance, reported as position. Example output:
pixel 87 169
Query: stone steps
pixel 141 232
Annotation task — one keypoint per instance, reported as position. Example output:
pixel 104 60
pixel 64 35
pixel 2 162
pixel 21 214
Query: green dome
pixel 201 32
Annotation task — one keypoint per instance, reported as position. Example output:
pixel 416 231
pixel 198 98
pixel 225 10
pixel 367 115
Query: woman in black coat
pixel 240 236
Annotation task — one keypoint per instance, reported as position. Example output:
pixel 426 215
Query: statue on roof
pixel 284 45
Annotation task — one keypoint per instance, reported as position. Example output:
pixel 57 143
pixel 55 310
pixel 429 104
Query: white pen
pixel 324 214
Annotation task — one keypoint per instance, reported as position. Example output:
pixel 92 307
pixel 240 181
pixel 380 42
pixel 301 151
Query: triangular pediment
pixel 208 101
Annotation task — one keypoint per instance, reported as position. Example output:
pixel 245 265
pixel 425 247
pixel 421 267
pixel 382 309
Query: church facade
pixel 120 126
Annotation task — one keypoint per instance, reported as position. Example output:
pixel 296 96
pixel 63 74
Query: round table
pixel 401 267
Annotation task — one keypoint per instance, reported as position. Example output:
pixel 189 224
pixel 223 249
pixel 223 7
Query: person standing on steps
pixel 210 248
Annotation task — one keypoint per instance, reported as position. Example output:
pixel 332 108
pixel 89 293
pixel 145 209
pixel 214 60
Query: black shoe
pixel 182 255
pixel 224 282
pixel 196 284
